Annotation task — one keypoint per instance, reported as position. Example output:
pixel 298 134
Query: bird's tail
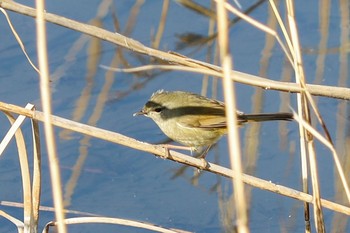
pixel 280 116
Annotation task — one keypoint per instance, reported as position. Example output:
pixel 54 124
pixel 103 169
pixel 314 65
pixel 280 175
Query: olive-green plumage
pixel 194 120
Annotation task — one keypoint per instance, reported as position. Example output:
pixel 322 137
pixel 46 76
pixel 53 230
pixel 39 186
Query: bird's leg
pixel 167 147
pixel 203 155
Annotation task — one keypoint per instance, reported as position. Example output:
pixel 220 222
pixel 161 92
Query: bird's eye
pixel 159 109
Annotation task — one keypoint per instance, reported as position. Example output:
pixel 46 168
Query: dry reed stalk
pixel 25 174
pixel 198 8
pixel 19 224
pixel 306 137
pixel 211 49
pixel 342 129
pixel 300 101
pixel 260 26
pixel 161 26
pixel 307 94
pixel 48 209
pixel 303 111
pixel 18 39
pixel 249 79
pixel 230 103
pixel 36 183
pixel 128 43
pixel 160 151
pixel 119 221
pixel 328 144
pixel 46 103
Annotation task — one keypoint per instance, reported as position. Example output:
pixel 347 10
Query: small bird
pixel 194 120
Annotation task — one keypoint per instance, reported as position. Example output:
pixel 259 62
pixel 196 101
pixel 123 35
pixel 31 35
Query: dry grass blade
pixel 25 174
pixel 332 149
pixel 284 30
pixel 18 223
pixel 198 8
pixel 9 135
pixel 260 26
pixel 36 186
pixel 107 220
pixel 291 48
pixel 48 209
pixel 18 39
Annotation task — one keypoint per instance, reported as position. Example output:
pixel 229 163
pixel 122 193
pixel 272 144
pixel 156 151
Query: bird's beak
pixel 139 113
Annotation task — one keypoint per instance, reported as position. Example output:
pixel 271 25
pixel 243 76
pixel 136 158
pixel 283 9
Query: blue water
pixel 120 182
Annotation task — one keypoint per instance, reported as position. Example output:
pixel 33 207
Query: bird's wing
pixel 200 121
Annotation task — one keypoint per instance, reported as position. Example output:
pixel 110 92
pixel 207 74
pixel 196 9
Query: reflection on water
pixel 132 184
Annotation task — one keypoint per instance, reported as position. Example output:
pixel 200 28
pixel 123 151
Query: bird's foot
pixel 205 165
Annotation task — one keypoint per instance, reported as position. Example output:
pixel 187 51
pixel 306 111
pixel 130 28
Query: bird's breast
pixel 190 136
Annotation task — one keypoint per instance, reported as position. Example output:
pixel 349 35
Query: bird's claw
pixel 205 165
